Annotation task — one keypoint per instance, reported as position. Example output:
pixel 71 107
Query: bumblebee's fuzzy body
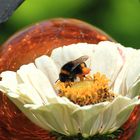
pixel 73 69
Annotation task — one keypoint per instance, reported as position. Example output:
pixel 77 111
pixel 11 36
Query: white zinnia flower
pixel 31 88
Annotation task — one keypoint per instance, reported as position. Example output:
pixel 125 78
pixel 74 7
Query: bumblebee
pixel 73 69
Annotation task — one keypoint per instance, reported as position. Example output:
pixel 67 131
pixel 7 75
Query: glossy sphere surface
pixel 31 43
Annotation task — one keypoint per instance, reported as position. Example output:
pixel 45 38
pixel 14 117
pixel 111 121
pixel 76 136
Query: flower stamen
pixel 91 90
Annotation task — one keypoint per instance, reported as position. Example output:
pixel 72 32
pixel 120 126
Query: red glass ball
pixel 23 48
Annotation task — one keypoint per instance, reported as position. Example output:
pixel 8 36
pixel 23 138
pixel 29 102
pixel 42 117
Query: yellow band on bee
pixel 65 72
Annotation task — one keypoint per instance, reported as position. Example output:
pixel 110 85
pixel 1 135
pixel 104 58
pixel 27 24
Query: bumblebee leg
pixel 88 77
pixel 81 77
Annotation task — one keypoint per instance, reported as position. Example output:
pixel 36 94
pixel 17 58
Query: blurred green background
pixel 118 18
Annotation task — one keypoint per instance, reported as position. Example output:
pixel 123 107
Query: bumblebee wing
pixel 79 61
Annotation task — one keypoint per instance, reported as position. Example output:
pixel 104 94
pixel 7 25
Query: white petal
pixel 107 60
pixel 65 54
pixel 134 90
pixel 48 67
pixel 75 51
pixel 29 85
pixel 9 80
pixel 35 78
pixel 111 111
pixel 103 58
pixel 26 72
pixel 43 122
pixel 58 118
pixel 133 71
pixel 129 73
pixel 57 56
pixel 88 118
pixel 124 114
pixel 11 88
pixel 27 91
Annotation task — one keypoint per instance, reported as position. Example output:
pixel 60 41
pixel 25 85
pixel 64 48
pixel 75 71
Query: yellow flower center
pixel 91 90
